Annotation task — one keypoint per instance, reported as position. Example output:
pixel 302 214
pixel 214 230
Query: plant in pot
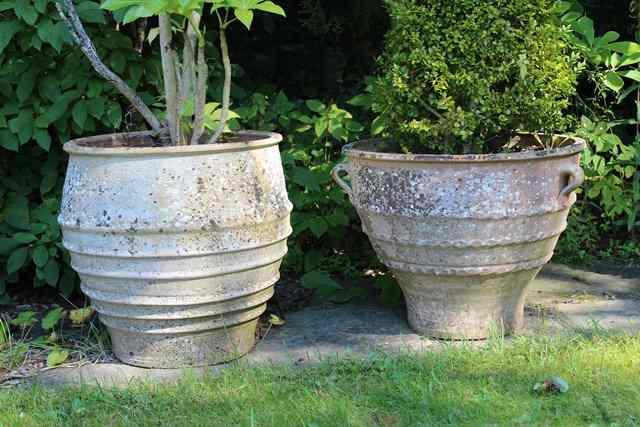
pixel 466 196
pixel 178 232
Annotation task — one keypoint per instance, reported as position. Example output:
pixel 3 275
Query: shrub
pixel 457 74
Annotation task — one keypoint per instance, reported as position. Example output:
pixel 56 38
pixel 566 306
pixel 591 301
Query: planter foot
pixel 184 350
pixel 465 308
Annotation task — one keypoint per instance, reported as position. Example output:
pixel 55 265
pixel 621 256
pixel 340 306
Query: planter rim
pixel 79 146
pixel 577 146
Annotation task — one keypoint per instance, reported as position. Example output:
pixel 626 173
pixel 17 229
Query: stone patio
pixel 560 300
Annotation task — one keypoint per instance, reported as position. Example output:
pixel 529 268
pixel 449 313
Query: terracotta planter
pixel 177 247
pixel 464 235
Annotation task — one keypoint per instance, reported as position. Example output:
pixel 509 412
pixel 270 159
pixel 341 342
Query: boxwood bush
pixel 457 74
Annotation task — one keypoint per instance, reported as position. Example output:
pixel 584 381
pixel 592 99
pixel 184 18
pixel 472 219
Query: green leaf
pixel 96 106
pixel 41 5
pixel 79 113
pixel 118 61
pixel 67 282
pixel 90 12
pixel 26 11
pixel 38 228
pixel 8 245
pixel 51 319
pixel 24 319
pixel 390 292
pixel 245 16
pixel 8 140
pixel 627 48
pixel 114 114
pixel 631 74
pixel 57 357
pixel 338 218
pixel 52 33
pixel 629 59
pixel 58 109
pixel 315 106
pixel 318 226
pixel 22 125
pixel 377 126
pixel 321 282
pixel 271 7
pixel 321 126
pixel 49 181
pixel 153 34
pixel 95 88
pixel 613 81
pixel 24 238
pixel 51 272
pixel 364 100
pixel 306 178
pixel 354 126
pixel 339 132
pixel 25 87
pixel 16 211
pixel 7 30
pixel 114 5
pixel 584 26
pixel 42 138
pixel 40 256
pixel 562 7
pixel 137 12
pixel 608 37
pixel 17 259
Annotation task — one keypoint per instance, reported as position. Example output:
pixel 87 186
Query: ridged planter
pixel 463 235
pixel 178 247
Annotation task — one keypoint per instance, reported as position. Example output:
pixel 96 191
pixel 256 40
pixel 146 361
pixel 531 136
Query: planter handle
pixel 335 173
pixel 575 176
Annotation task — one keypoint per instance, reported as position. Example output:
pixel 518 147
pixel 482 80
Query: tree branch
pixel 169 61
pixel 69 15
pixel 188 80
pixel 226 89
pixel 200 95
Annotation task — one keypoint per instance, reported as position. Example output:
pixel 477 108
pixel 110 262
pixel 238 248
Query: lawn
pixel 455 386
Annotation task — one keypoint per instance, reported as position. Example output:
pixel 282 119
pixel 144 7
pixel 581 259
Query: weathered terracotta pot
pixel 464 235
pixel 177 247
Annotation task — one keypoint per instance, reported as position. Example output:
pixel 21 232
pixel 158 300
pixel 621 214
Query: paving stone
pixel 560 299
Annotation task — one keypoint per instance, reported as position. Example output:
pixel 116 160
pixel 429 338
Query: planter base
pixel 465 307
pixel 184 350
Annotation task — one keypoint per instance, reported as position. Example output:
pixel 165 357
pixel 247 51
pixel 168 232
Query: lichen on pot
pixel 178 247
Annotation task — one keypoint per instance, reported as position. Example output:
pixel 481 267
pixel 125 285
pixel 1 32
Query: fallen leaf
pixel 80 315
pixel 276 321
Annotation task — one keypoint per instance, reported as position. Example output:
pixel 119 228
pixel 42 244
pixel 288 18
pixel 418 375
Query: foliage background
pixel 294 76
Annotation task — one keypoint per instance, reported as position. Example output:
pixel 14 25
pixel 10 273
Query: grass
pixel 455 386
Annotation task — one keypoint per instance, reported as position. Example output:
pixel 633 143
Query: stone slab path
pixel 560 299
